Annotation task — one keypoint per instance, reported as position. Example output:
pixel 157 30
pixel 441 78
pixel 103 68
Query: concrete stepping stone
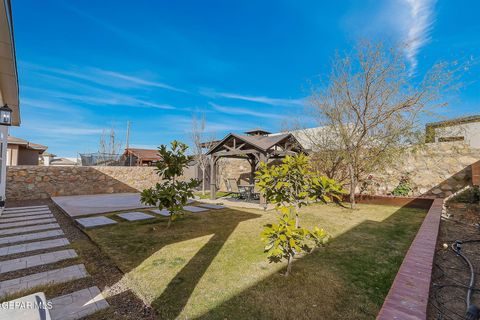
pixel 163 212
pixel 37 311
pixel 78 304
pixel 15 219
pixel 29 229
pixel 211 206
pixel 55 276
pixel 26 223
pixel 24 208
pixel 36 260
pixel 23 214
pixel 32 246
pixel 194 209
pixel 135 216
pixel 95 222
pixel 31 236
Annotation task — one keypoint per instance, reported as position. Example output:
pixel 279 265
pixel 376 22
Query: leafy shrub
pixel 404 187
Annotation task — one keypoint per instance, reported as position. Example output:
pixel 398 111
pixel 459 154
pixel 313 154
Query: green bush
pixel 404 187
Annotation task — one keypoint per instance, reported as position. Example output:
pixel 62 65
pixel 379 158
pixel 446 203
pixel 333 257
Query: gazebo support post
pixel 263 201
pixel 253 166
pixel 213 178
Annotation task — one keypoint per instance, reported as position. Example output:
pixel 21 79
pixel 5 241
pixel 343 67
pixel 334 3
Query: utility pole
pixel 128 134
pixel 128 143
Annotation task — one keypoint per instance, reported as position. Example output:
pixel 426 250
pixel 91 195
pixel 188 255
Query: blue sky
pixel 85 66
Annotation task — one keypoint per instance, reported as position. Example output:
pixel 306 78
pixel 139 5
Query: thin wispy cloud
pixel 419 26
pixel 243 111
pixel 103 77
pixel 141 81
pixel 98 97
pixel 257 99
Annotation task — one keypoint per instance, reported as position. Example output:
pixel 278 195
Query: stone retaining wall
pixel 40 182
pixel 437 169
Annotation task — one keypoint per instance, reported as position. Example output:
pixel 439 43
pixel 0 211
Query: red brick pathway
pixel 408 296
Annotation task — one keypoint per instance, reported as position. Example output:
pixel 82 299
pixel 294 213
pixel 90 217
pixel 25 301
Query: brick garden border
pixel 408 295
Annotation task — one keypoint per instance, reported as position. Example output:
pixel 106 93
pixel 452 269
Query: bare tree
pixel 371 109
pixel 108 147
pixel 201 144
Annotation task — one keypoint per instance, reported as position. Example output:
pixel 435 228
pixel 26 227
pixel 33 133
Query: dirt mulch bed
pixel 451 274
pixel 103 272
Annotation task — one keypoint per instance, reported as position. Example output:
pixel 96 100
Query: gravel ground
pixel 104 273
pixel 451 275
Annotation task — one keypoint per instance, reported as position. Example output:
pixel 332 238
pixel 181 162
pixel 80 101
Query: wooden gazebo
pixel 256 146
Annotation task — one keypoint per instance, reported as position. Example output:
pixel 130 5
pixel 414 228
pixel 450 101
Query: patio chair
pixel 256 192
pixel 235 190
pixel 228 186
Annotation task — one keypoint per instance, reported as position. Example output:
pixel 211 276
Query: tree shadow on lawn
pixel 218 224
pixel 349 279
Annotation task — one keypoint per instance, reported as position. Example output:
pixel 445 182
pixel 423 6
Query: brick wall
pixel 40 182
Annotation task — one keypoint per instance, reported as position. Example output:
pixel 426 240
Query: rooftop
pixel 27 144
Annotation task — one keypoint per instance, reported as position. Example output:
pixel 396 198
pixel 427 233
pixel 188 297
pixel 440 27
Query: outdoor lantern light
pixel 5 116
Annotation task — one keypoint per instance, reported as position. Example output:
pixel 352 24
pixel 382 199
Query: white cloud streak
pixel 140 81
pixel 419 26
pixel 244 111
pixel 257 99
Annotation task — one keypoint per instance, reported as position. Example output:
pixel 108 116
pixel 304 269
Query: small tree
pixel 171 194
pixel 290 186
pixel 201 143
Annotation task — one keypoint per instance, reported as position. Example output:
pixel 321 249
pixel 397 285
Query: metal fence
pixel 102 159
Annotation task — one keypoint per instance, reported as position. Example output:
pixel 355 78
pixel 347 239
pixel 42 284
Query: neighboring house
pixel 64 162
pixel 52 160
pixel 21 152
pixel 465 129
pixel 141 157
pixel 8 87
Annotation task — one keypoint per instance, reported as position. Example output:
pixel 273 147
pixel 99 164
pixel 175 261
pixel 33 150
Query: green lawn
pixel 211 265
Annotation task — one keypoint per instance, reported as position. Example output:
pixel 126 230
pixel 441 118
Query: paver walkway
pixel 43 278
pixel 15 219
pixel 194 209
pixel 163 212
pixel 78 304
pixel 135 216
pixel 29 229
pixel 23 214
pixel 26 223
pixel 95 222
pixel 25 208
pixel 31 236
pixel 36 260
pixel 32 246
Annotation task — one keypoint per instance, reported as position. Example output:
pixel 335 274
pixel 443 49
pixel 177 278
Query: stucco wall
pixel 39 182
pixel 437 169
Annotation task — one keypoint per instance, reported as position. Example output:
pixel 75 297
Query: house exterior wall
pixel 28 157
pixel 470 132
pixel 12 155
